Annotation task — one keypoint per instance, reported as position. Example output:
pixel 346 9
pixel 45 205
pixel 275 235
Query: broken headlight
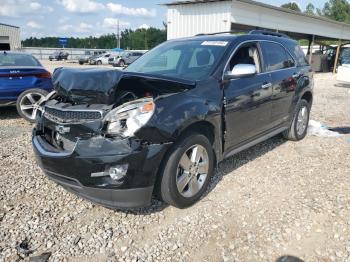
pixel 126 119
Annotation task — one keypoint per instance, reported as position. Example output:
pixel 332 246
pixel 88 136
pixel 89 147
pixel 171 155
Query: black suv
pixel 159 127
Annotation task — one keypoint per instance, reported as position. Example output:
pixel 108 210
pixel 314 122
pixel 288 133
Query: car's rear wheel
pixel 81 63
pixel 298 128
pixel 121 63
pixel 187 171
pixel 28 103
pixel 98 62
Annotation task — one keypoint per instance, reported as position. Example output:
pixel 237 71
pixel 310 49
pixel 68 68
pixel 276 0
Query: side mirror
pixel 240 70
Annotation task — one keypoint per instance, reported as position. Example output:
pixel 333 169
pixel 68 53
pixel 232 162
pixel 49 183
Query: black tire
pixel 81 63
pixel 292 133
pixel 167 190
pixel 20 100
pixel 121 63
pixel 98 62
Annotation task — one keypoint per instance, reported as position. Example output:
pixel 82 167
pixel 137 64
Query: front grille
pixel 71 116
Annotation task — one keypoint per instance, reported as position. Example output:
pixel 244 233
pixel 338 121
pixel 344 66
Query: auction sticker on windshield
pixel 215 43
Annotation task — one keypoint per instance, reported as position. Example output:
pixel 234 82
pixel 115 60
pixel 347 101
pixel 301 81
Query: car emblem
pixel 62 129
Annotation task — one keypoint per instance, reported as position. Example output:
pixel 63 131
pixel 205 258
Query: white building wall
pixel 210 17
pixel 13 34
pixel 191 19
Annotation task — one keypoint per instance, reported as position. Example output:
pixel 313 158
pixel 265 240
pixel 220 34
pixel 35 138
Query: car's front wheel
pixel 98 62
pixel 28 103
pixel 187 171
pixel 298 128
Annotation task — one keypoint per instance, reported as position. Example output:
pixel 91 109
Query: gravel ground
pixel 278 198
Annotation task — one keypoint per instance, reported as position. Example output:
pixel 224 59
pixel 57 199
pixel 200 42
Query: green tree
pixel 310 9
pixel 338 10
pixel 292 5
pixel 130 39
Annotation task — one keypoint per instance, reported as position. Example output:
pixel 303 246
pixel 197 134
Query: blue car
pixel 24 82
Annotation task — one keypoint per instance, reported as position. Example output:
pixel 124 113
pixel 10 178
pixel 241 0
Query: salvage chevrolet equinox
pixel 159 127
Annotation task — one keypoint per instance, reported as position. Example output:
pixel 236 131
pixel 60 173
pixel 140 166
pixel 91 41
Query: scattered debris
pixel 341 130
pixel 41 258
pixel 23 248
pixel 76 240
pixel 318 129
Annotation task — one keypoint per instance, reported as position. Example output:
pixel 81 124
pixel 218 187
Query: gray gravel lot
pixel 277 198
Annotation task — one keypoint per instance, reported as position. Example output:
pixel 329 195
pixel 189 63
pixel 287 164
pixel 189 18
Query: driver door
pixel 248 99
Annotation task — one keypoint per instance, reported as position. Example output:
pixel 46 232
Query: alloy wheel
pixel 30 104
pixel 302 120
pixel 192 171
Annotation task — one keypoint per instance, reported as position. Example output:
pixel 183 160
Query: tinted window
pixel 18 60
pixel 276 57
pixel 298 54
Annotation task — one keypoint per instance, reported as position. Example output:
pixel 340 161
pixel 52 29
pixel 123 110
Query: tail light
pixel 43 75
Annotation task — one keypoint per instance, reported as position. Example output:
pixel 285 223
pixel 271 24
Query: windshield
pixel 18 60
pixel 191 60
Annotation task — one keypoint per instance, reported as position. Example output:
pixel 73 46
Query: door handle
pixel 266 86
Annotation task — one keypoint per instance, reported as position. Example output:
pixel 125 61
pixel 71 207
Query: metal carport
pixel 188 18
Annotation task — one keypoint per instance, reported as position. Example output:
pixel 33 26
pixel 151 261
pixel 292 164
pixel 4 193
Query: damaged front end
pixel 88 137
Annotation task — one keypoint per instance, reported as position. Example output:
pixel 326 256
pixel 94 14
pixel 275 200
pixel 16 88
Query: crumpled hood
pixel 102 85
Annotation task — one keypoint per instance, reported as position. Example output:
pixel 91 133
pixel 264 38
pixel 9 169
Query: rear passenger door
pixel 284 76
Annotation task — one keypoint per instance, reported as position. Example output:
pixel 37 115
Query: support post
pixel 336 57
pixel 311 47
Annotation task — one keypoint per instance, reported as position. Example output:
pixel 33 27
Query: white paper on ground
pixel 343 74
pixel 318 129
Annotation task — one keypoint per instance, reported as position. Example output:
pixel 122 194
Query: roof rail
pixel 267 32
pixel 217 33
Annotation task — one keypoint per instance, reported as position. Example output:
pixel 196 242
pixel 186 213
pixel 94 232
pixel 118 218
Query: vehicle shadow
pixel 238 160
pixel 225 167
pixel 8 112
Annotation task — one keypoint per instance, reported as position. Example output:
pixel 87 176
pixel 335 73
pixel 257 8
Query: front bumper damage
pixel 73 168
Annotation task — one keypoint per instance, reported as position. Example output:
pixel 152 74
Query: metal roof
pixel 9 25
pixel 322 18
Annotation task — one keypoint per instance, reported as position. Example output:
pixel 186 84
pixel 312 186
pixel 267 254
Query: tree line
pixel 138 39
pixel 338 10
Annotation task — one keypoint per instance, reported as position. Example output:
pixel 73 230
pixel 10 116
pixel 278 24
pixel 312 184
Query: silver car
pixel 126 58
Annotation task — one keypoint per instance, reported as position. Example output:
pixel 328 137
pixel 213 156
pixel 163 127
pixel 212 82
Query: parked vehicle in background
pixel 59 55
pixel 85 58
pixel 319 62
pixel 160 126
pixel 343 55
pixel 100 60
pixel 114 56
pixel 24 82
pixel 126 58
